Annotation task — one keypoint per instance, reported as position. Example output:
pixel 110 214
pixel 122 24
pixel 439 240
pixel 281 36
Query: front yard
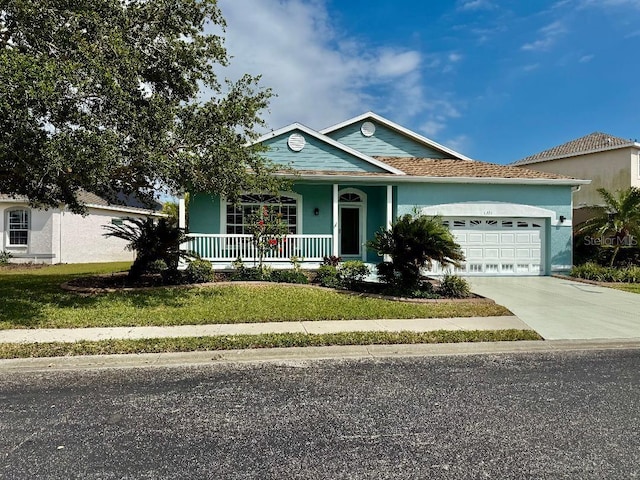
pixel 32 298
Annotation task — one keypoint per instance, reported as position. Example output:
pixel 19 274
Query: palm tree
pixel 414 242
pixel 617 223
pixel 152 240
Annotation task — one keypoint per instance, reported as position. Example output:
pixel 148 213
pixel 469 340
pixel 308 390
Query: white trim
pixel 297 196
pixel 493 209
pixel 417 179
pixel 519 163
pixel 330 141
pixel 399 128
pixel 182 213
pixel 334 217
pixel 362 227
pixel 7 221
pixel 389 206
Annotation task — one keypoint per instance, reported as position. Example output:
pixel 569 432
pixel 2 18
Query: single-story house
pixel 57 235
pixel 356 177
pixel 609 162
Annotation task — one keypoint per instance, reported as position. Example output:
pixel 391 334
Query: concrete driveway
pixel 561 309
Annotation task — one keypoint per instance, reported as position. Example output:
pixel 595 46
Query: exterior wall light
pixel 316 211
pixel 562 218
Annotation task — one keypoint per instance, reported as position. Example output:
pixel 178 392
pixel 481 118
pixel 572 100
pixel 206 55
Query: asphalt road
pixel 569 415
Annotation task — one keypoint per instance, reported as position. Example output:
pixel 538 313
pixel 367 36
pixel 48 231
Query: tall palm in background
pixel 617 223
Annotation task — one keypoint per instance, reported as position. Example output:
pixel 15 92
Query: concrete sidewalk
pixel 43 335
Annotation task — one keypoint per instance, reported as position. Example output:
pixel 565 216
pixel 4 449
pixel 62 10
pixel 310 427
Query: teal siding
pixel 316 155
pixel 204 213
pixel 204 210
pixel 315 196
pixel 557 198
pixel 384 143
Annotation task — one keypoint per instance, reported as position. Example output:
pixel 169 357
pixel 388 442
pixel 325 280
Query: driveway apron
pixel 561 309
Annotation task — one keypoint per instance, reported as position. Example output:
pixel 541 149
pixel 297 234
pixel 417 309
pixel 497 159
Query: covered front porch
pixel 323 220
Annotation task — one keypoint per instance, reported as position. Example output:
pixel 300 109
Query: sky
pixel 496 80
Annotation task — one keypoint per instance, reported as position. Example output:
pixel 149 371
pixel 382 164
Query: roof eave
pixel 426 179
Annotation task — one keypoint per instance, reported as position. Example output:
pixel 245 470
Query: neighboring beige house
pixel 610 162
pixel 58 236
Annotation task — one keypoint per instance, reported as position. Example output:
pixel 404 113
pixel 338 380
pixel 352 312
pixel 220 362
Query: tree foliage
pixel 616 224
pixel 106 96
pixel 414 242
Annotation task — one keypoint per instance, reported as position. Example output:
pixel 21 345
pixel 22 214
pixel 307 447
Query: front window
pixel 18 227
pixel 239 215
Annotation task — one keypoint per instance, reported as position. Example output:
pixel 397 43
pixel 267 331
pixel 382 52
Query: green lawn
pixel 274 340
pixel 32 298
pixel 628 287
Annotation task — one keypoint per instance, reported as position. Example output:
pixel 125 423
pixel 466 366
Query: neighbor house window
pixel 240 215
pixel 18 223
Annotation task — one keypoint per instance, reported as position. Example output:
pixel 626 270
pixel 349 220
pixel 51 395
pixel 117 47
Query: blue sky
pixel 496 80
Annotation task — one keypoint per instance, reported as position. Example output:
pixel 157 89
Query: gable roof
pixel 594 142
pixel 330 141
pixel 398 128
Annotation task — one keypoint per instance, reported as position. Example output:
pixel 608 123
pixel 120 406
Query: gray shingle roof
pixel 593 142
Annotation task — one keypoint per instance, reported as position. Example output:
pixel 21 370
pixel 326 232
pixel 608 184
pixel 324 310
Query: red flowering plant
pixel 269 231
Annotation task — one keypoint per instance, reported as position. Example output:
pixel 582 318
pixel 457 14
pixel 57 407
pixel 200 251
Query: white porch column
pixel 336 231
pixel 389 206
pixel 387 258
pixel 182 212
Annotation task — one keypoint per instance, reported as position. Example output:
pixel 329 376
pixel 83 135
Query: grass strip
pixel 274 340
pixel 627 287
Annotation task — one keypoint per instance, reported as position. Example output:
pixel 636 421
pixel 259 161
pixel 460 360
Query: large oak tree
pixel 105 96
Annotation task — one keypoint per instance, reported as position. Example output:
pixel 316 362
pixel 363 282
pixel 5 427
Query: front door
pixel 350 241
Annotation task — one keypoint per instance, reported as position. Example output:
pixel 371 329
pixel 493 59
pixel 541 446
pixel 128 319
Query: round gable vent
pixel 368 129
pixel 296 142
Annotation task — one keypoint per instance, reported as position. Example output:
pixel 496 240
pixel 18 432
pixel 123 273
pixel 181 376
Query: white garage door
pixel 499 246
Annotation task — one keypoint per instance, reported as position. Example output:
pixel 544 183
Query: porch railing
pixel 229 247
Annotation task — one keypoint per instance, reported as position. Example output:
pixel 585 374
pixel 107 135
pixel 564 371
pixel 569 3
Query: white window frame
pixel 9 229
pixel 296 196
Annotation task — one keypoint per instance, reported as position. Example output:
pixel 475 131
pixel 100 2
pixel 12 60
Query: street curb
pixel 305 354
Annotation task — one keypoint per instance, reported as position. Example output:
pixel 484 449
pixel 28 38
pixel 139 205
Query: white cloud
pixel 394 64
pixel 586 58
pixel 321 76
pixel 548 36
pixel 473 5
pixel 610 3
pixel 431 128
pixel 459 143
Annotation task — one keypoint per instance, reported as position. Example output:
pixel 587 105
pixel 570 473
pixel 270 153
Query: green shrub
pixel 598 273
pixel 5 257
pixel 289 276
pixel 352 272
pixel 454 286
pixel 327 276
pixel 157 266
pixel 256 274
pixel 414 242
pixel 331 260
pixel 199 271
